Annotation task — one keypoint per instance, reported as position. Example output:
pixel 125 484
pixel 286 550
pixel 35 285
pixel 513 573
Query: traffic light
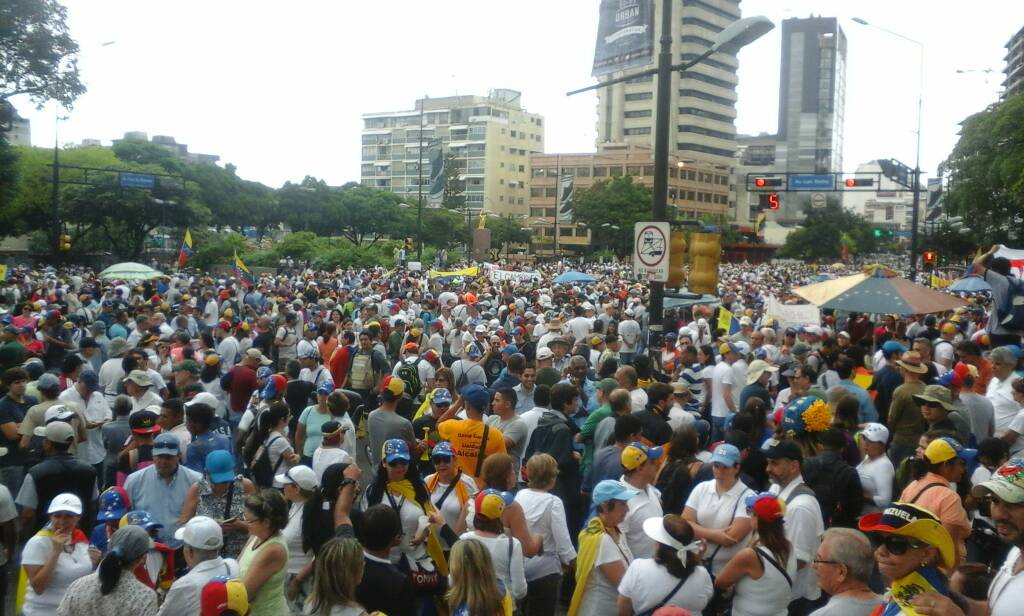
pixel 930 257
pixel 64 242
pixel 705 252
pixel 878 233
pixel 676 260
pixel 859 182
pixel 765 182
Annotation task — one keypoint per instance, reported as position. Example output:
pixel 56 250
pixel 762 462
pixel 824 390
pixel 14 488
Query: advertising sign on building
pixel 625 35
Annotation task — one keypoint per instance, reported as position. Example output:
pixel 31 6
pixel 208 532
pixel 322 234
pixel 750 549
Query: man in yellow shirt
pixel 471 435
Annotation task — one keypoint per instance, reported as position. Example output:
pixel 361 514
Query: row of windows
pixel 699 197
pixel 639 130
pixel 639 96
pixel 616 171
pixel 710 8
pixel 700 130
pixel 706 149
pixel 721 83
pixel 686 57
pixel 639 113
pixel 704 113
pixel 707 97
pixel 698 40
pixel 700 23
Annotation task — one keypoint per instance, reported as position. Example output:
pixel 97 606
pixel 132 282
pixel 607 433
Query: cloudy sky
pixel 278 88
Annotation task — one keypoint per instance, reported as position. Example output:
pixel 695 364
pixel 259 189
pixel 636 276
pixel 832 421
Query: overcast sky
pixel 278 88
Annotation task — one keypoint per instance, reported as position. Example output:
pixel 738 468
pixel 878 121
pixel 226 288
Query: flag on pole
pixel 243 273
pixel 759 224
pixel 566 190
pixel 728 321
pixel 437 178
pixel 186 249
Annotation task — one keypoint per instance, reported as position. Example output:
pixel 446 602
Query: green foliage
pixel 214 250
pixel 506 231
pixel 444 228
pixel 454 186
pixel 825 231
pixel 37 53
pixel 8 172
pixel 616 202
pixel 986 173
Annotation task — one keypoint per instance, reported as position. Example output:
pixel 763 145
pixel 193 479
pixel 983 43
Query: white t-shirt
pixel 600 598
pixel 646 584
pixel 721 376
pixel 451 508
pixel 70 567
pixel 1000 394
pixel 509 572
pixel 876 476
pixel 292 533
pixel 637 400
pixel 717 511
pixel 96 409
pixel 580 327
pixel 646 504
pixel 322 458
pixel 1006 593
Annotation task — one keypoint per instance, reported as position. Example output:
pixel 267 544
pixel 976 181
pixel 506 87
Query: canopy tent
pixel 129 271
pixel 687 299
pixel 969 284
pixel 571 277
pixel 877 291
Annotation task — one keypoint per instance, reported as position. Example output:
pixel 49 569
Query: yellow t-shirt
pixel 465 435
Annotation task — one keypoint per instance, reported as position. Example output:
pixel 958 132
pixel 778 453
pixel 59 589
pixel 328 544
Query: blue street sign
pixel 136 180
pixel 812 182
pixel 903 233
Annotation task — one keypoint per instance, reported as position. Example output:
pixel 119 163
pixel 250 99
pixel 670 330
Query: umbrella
pixel 129 271
pixel 969 284
pixel 877 291
pixel 569 277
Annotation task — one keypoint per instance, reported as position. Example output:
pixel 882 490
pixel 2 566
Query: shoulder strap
pixel 480 455
pixel 670 594
pixel 735 507
pixel 448 490
pixel 227 501
pixel 923 490
pixel 802 489
pixel 771 559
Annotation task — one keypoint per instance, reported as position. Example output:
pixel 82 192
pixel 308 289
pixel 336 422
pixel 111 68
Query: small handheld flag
pixel 727 321
pixel 243 273
pixel 186 249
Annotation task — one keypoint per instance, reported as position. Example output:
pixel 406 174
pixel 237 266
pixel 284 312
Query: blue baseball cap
pixel 112 504
pixel 726 454
pixel 139 518
pixel 476 396
pixel 264 372
pixel 395 449
pixel 473 351
pixel 611 489
pixel 510 348
pixel 220 465
pixel 442 396
pixel 442 449
pixel 891 346
pixel 326 387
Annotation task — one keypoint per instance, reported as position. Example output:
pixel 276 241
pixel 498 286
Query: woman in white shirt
pixel 715 509
pixel 506 551
pixel 603 547
pixel 545 516
pixel 763 573
pixel 273 428
pixel 55 557
pixel 450 489
pixel 876 470
pixel 299 485
pixel 675 566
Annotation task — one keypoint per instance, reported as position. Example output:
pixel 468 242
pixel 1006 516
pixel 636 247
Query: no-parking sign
pixel 650 250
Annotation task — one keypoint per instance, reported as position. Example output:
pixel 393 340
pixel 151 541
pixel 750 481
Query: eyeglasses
pixel 894 544
pixel 821 561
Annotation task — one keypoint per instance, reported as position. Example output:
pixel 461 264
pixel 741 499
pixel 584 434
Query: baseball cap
pixel 257 354
pixel 491 503
pixel 201 532
pixel 263 372
pixel 47 382
pixel 144 422
pixel 510 349
pixel 476 396
pixel 775 449
pixel 223 594
pixel 800 349
pixel 472 351
pixel 912 521
pixel 65 503
pixel 945 448
pixel 141 518
pixel 140 378
pixel 276 385
pixel 443 449
pixel 57 431
pixel 726 454
pixel 300 475
pixel 480 329
pixel 891 346
pixel 393 385
pixel 166 445
pixel 727 347
pixel 757 368
pixel 766 506
pixel 327 387
pixel 635 454
pixel 188 365
pixel 131 541
pixel 395 449
pixel 203 397
pixel 112 504
pixel 411 347
pixel 875 432
pixel 442 396
pixel 544 353
pixel 1007 482
pixel 611 489
pixel 220 465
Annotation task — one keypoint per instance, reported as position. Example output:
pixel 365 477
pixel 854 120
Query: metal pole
pixel 917 173
pixel 661 135
pixel 55 196
pixel 419 203
pixel 558 196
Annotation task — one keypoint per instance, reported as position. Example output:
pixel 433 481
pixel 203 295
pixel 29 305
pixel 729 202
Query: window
pixel 696 40
pixel 700 130
pixel 707 97
pixel 549 212
pixel 501 181
pixel 519 201
pixel 581 232
pixel 536 192
pixel 615 171
pixel 700 23
pixel 639 96
pixel 536 211
pixel 697 147
pixel 640 113
pixel 512 134
pixel 641 130
pixel 649 170
pixel 538 172
pixel 687 57
pixel 550 192
pixel 583 172
pixel 635 171
pixel 522 169
pixel 564 232
pixel 600 172
pixel 712 9
pixel 721 83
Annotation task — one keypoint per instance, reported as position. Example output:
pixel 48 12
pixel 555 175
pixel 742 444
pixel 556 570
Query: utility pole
pixel 419 182
pixel 660 189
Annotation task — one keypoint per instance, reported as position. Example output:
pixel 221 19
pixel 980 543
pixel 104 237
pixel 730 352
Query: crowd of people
pixel 408 443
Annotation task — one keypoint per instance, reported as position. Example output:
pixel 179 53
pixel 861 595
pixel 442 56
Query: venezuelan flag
pixel 728 321
pixel 243 273
pixel 186 249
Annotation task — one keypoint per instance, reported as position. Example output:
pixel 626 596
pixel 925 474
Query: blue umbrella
pixel 570 277
pixel 969 284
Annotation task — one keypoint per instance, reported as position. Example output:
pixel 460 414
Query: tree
pixel 618 202
pixel 8 173
pixel 506 231
pixel 38 57
pixel 824 232
pixel 986 173
pixel 444 228
pixel 454 185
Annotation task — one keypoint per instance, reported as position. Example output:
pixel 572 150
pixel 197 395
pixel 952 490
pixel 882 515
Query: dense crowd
pixel 412 443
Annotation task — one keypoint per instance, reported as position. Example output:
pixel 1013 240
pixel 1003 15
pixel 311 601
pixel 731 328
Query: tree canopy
pixel 617 202
pixel 38 57
pixel 826 231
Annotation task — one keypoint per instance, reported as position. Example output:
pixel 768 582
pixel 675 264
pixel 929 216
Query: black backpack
pixel 260 470
pixel 410 373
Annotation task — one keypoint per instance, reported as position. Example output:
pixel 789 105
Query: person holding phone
pixel 56 556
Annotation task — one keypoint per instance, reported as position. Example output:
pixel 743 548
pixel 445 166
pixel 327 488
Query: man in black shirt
pixel 384 586
pixel 654 417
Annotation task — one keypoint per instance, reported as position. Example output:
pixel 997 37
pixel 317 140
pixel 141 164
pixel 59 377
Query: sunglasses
pixel 441 459
pixel 894 544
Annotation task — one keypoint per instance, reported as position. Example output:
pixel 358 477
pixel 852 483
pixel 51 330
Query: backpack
pixel 410 373
pixel 1012 311
pixel 260 470
pixel 360 375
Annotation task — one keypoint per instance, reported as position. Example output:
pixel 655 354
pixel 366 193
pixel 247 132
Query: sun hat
pixel 909 520
pixel 655 529
pixel 757 368
pixel 911 361
pixel 936 394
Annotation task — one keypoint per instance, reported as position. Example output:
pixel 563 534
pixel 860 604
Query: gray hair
pixel 851 548
pixel 769 335
pixel 1003 355
pixel 203 555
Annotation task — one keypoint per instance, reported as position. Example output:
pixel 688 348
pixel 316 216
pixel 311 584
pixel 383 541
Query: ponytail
pixel 270 418
pixel 110 570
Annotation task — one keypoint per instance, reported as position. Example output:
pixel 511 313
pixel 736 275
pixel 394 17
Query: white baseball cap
pixel 203 397
pixel 876 433
pixel 545 353
pixel 300 475
pixel 65 503
pixel 201 532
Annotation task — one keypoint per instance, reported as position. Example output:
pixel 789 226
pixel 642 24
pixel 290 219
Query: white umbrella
pixel 129 271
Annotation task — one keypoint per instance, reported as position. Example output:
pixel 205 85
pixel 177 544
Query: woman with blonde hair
pixel 475 589
pixel 337 571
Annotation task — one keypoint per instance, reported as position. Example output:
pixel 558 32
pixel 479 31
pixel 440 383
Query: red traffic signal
pixel 859 182
pixel 930 257
pixel 767 182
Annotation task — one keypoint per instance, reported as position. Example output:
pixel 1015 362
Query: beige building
pixel 695 189
pixel 491 138
pixel 703 98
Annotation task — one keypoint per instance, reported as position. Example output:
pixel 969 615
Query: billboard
pixel 625 35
